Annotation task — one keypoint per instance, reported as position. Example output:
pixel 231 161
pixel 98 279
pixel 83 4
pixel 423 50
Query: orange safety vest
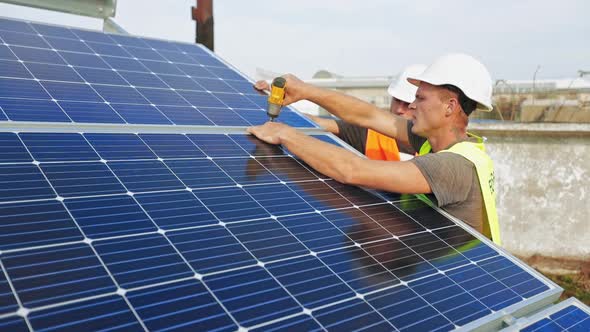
pixel 381 147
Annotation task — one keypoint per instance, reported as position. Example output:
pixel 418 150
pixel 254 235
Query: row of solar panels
pixel 117 79
pixel 212 231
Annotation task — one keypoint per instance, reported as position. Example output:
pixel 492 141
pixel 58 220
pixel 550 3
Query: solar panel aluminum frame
pixel 540 315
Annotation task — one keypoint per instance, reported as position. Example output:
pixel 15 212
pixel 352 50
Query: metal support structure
pixel 109 25
pixel 203 15
pixel 92 8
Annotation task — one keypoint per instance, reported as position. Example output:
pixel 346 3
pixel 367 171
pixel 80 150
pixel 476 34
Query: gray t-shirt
pixel 454 183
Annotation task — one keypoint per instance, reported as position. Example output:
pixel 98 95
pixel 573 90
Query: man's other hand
pixel 270 132
pixel 295 89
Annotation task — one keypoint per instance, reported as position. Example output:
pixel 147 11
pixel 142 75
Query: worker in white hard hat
pixel 373 144
pixel 458 175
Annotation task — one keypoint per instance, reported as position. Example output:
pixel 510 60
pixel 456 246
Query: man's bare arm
pixel 343 165
pixel 347 108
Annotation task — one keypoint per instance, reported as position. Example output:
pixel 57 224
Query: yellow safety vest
pixel 484 166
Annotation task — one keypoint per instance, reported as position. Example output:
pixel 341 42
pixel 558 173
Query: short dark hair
pixel 468 105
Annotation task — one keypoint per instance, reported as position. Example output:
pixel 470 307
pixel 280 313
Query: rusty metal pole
pixel 203 15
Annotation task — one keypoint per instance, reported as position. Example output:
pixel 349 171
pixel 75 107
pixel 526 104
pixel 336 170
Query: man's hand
pixel 270 132
pixel 295 89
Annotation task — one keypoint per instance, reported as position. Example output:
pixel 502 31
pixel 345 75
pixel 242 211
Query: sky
pixel 367 38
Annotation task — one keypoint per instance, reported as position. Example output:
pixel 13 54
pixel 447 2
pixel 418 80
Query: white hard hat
pixel 400 88
pixel 462 71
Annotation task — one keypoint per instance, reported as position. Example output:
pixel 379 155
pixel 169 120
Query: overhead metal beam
pixel 92 8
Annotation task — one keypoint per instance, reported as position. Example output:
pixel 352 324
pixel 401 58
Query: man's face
pixel 400 108
pixel 428 110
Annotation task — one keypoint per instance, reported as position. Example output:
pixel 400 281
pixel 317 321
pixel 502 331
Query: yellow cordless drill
pixel 276 97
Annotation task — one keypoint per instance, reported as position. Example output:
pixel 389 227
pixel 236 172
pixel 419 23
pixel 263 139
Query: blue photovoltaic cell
pixel 83 60
pixel 223 116
pixel 105 313
pixel 90 112
pixel 218 146
pixel 231 204
pixel 58 147
pixel 181 82
pixel 33 110
pixel 278 199
pixel 13 69
pixel 58 274
pixel 200 173
pixel 93 36
pixel 7 301
pixel 171 146
pixel 5 53
pixel 246 171
pixel 142 79
pixel 102 76
pixel 163 97
pixel 120 146
pixel 319 195
pixel 37 55
pixel 267 240
pixel 124 64
pixel 140 114
pixel 174 210
pixel 12 150
pixel 407 311
pixel 16 26
pixel 352 315
pixel 184 305
pixel 195 71
pixel 102 217
pixel 82 179
pixel 34 224
pixel 298 323
pixel 143 53
pixel 23 182
pixel 201 99
pixel 51 30
pixel 10 88
pixel 315 232
pixel 142 260
pixel 211 249
pixel 185 115
pixel 120 94
pixel 13 324
pixel 64 44
pixel 310 281
pixel 71 91
pixel 142 176
pixel 160 67
pixel 44 71
pixel 238 292
pixel 176 56
pixel 108 49
pixel 21 39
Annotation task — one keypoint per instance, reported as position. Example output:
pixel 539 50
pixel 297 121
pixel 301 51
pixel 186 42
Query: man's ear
pixel 452 105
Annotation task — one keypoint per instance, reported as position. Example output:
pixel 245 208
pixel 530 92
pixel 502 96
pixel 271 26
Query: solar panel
pixel 122 79
pixel 569 315
pixel 140 213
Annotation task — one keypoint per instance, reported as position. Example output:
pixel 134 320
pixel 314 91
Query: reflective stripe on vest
pixel 381 147
pixel 475 152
